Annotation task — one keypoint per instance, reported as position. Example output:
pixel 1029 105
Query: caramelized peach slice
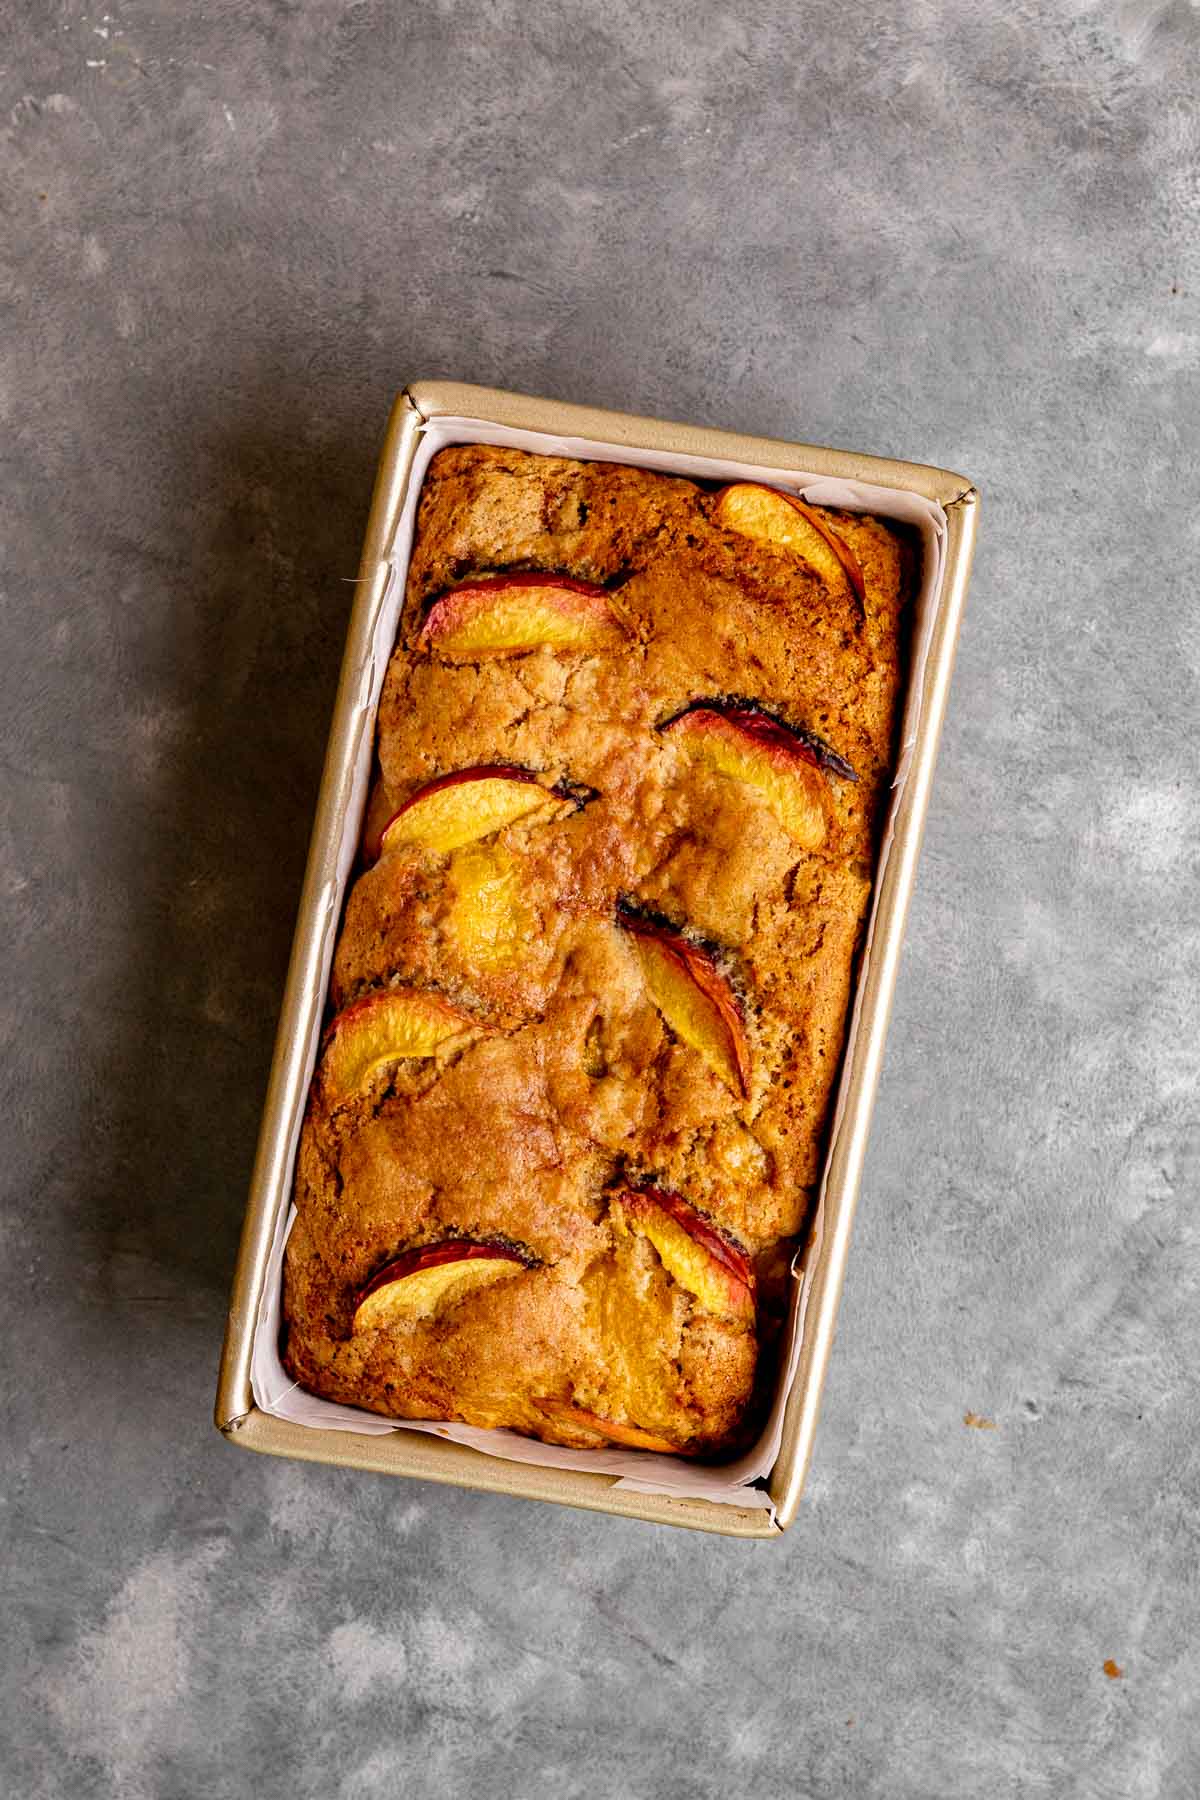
pixel 386 1028
pixel 692 1249
pixel 501 615
pixel 783 765
pixel 631 1435
pixel 457 809
pixel 773 517
pixel 486 917
pixel 693 996
pixel 427 1281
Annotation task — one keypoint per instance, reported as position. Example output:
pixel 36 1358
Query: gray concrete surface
pixel 958 232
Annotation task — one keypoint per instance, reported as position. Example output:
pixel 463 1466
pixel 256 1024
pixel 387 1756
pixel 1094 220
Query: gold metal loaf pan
pixel 429 1457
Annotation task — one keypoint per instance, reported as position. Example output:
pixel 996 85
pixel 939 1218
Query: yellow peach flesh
pixel 696 1016
pixel 386 1028
pixel 486 919
pixel 793 788
pixel 686 1259
pixel 631 1436
pixel 453 813
pixel 426 1292
pixel 500 618
pixel 771 517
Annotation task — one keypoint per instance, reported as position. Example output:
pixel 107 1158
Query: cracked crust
pixel 578 1084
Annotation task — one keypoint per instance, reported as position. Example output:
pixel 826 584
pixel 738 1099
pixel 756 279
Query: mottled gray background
pixel 957 232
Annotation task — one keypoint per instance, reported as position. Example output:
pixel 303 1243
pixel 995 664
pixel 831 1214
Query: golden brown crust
pixel 574 1082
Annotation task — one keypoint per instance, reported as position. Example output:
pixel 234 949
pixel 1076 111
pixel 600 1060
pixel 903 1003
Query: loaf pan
pixel 771 1505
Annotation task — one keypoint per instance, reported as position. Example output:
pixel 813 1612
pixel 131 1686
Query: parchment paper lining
pixel 274 1391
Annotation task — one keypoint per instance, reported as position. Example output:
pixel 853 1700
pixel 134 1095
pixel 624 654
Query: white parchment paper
pixel 274 1390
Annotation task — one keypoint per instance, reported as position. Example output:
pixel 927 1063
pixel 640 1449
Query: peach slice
pixel 385 1028
pixel 692 1249
pixel 631 1435
pixel 750 745
pixel 774 517
pixel 426 1281
pixel 693 996
pixel 486 917
pixel 457 809
pixel 501 615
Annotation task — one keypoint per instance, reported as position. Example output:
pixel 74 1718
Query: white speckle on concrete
pixel 363 1658
pixel 1151 827
pixel 119 1691
pixel 443 1644
pixel 384 1775
pixel 1178 346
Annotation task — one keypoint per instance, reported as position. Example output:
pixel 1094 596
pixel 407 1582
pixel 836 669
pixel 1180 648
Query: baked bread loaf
pixel 591 987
